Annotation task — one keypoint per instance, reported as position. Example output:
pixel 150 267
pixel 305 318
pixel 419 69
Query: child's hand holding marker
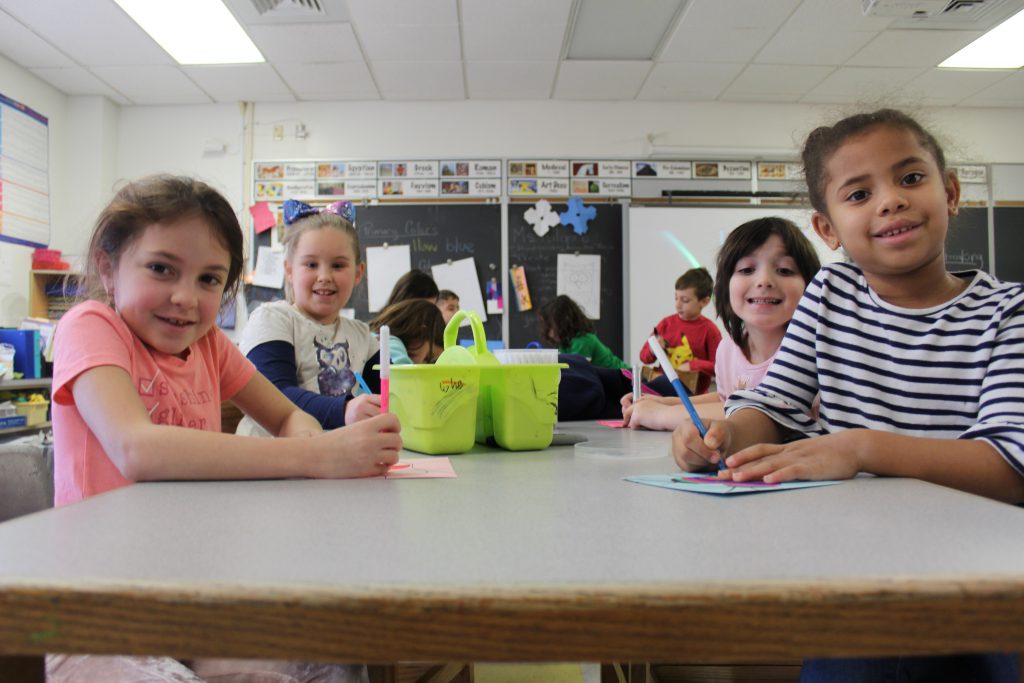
pixel 696 453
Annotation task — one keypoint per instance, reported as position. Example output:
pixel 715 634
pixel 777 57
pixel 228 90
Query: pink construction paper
pixel 422 468
pixel 614 424
pixel 262 217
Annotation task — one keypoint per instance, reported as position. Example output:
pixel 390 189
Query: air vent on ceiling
pixel 972 15
pixel 301 7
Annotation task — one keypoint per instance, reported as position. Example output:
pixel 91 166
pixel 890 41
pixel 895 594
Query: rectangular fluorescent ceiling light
pixel 1000 48
pixel 194 31
pixel 616 30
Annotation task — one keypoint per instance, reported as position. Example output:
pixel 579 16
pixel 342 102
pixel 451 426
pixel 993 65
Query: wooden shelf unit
pixel 38 299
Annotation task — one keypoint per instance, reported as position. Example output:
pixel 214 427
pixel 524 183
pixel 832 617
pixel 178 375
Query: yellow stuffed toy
pixel 677 355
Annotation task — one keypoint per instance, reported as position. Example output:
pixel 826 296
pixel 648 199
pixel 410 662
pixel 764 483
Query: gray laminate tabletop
pixel 525 556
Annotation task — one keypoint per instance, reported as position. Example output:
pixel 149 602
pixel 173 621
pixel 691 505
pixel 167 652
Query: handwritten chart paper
pixel 269 268
pixel 579 277
pixel 384 265
pixel 709 484
pixel 421 468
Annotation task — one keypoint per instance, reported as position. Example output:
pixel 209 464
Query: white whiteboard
pixel 664 242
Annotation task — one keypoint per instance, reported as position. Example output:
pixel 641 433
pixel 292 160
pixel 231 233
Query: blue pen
pixel 362 383
pixel 670 373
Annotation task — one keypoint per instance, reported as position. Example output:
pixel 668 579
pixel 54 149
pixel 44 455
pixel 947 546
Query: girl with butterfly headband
pixel 303 344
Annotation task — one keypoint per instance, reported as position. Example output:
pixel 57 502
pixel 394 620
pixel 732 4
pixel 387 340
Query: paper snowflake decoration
pixel 578 216
pixel 541 217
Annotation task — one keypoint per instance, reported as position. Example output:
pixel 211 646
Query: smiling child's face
pixel 167 285
pixel 888 204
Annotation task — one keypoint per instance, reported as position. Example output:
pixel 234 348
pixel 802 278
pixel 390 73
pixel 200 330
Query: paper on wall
pixel 269 268
pixel 384 265
pixel 579 277
pixel 460 277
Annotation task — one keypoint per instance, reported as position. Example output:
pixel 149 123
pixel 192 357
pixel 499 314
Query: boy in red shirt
pixel 689 328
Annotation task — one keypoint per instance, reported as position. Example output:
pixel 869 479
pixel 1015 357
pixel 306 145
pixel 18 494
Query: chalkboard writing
pixel 435 234
pixel 1009 237
pixel 967 241
pixel 539 256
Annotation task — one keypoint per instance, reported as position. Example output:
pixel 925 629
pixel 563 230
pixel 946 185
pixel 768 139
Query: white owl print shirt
pixel 326 356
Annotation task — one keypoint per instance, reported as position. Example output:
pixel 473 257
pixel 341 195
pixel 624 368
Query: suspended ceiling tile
pixel 830 16
pixel 948 87
pixel 775 83
pixel 153 84
pixel 725 30
pixel 340 81
pixel 675 81
pixel 1007 92
pixel 411 42
pixel 306 43
pixel 74 80
pixel 912 48
pixel 22 46
pixel 600 80
pixel 512 42
pixel 422 12
pixel 420 80
pixel 521 13
pixel 240 83
pixel 861 84
pixel 83 31
pixel 510 80
pixel 792 45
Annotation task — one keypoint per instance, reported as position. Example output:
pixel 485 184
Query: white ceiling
pixel 785 51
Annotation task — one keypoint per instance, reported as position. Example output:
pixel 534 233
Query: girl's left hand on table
pixel 833 456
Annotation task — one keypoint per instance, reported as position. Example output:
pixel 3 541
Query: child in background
pixel 140 370
pixel 413 285
pixel 416 331
pixel 303 344
pixel 763 267
pixel 689 328
pixel 563 323
pixel 918 369
pixel 448 302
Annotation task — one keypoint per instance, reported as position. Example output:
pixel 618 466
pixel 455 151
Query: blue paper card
pixel 699 483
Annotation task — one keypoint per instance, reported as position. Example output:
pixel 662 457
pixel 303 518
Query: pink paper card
pixel 262 217
pixel 422 468
pixel 614 424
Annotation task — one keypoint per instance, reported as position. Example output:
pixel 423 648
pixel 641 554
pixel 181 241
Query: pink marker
pixel 385 368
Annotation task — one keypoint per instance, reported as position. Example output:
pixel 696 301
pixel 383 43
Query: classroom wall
pixel 15 261
pixel 381 130
pixel 94 143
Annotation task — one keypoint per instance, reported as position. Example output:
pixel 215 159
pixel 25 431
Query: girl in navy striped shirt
pixel 920 371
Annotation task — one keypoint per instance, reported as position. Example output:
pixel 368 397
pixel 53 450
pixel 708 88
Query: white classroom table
pixel 535 556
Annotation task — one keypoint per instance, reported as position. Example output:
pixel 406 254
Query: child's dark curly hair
pixel 561 320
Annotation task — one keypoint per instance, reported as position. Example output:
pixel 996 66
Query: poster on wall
pixel 24 175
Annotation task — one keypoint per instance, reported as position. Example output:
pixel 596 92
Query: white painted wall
pixel 94 143
pixel 381 130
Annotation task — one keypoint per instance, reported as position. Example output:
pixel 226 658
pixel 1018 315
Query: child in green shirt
pixel 563 323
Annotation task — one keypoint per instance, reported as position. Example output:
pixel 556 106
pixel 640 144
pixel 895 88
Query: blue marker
pixel 362 383
pixel 670 373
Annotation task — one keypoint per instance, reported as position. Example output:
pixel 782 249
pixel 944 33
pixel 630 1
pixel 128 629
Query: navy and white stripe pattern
pixel 955 371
